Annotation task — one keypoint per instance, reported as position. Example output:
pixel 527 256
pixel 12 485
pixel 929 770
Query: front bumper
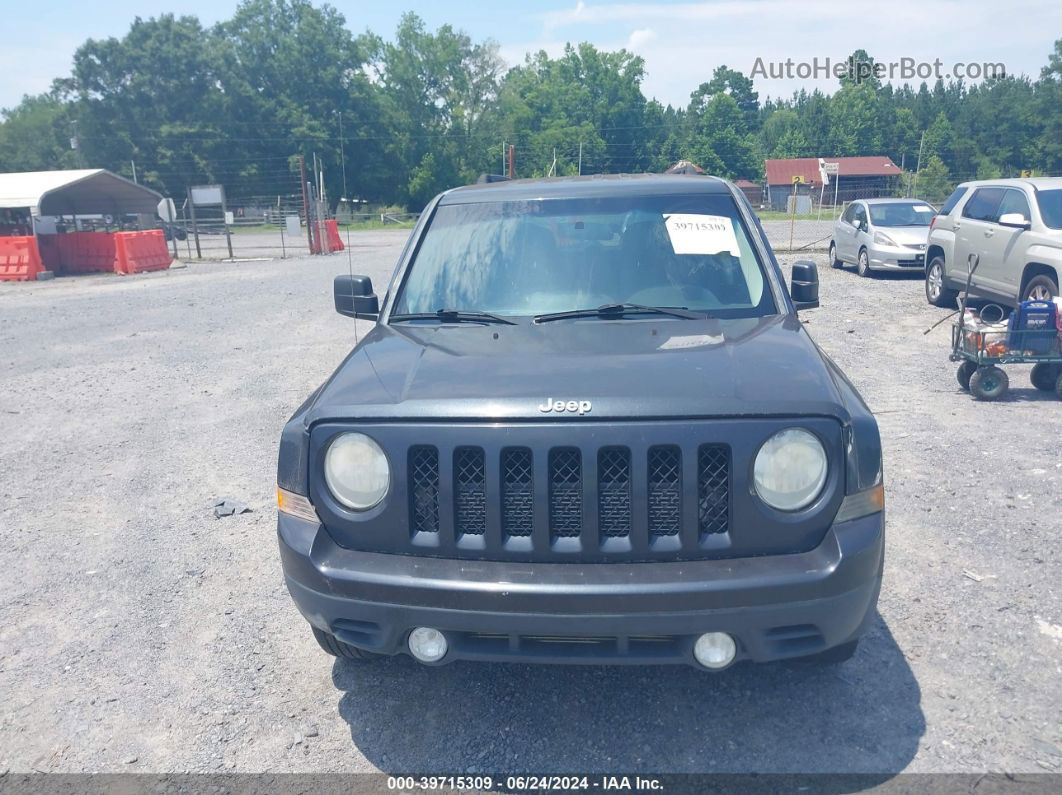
pixel 895 258
pixel 776 606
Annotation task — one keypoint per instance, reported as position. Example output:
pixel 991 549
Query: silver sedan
pixel 882 234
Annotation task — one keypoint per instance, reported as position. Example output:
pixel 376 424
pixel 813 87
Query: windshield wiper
pixel 619 310
pixel 453 316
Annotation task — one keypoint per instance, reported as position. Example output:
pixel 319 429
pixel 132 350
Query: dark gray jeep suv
pixel 587 426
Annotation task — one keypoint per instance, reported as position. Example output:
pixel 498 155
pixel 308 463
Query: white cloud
pixel 639 38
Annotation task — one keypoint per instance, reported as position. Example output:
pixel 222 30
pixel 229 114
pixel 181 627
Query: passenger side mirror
pixel 1014 221
pixel 354 297
pixel 804 285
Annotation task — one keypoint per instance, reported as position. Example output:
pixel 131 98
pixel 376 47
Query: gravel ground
pixel 137 632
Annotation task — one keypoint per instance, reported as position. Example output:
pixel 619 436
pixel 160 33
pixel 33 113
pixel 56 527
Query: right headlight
pixel 790 469
pixel 356 471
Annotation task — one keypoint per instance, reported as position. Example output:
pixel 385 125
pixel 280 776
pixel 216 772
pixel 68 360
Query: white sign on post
pixel 207 194
pixel 167 211
pixel 293 225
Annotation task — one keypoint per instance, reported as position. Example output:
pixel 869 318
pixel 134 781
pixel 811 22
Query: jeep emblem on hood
pixel 562 406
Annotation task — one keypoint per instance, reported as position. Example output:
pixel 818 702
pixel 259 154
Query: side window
pixel 984 205
pixel 953 199
pixel 1014 201
pixel 849 214
pixel 859 217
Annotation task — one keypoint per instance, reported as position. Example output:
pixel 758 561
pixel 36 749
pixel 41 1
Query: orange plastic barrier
pixel 335 243
pixel 141 251
pixel 20 259
pixel 78 252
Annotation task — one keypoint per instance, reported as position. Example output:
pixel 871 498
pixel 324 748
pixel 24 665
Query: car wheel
pixel 963 374
pixel 836 263
pixel 936 292
pixel 337 648
pixel 1044 376
pixel 863 263
pixel 989 383
pixel 1040 288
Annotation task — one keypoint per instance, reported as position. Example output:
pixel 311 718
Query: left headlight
pixel 356 471
pixel 790 469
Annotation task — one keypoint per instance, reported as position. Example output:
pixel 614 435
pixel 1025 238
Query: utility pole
pixel 133 164
pixel 580 158
pixel 503 158
pixel 921 144
pixel 342 155
pixel 305 201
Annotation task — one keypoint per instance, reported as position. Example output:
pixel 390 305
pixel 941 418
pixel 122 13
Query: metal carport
pixel 89 191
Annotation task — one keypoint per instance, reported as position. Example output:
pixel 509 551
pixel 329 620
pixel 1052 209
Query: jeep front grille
pixel 650 496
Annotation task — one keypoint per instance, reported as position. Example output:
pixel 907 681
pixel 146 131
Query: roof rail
pixel 486 179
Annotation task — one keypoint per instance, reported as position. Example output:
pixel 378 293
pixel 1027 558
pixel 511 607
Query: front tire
pixel 989 383
pixel 937 293
pixel 965 372
pixel 1040 288
pixel 337 648
pixel 863 263
pixel 1044 376
pixel 834 262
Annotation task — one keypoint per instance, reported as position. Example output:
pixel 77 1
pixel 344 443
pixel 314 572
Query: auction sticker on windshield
pixel 701 234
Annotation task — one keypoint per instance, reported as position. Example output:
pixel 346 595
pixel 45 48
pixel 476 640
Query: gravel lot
pixel 137 632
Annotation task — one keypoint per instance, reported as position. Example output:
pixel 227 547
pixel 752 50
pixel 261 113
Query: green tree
pixel 35 135
pixel 734 84
pixel 285 70
pixel 933 183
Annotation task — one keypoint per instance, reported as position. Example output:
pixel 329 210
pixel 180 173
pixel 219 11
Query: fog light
pixel 427 644
pixel 715 650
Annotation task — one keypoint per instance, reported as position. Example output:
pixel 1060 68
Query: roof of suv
pixel 1040 183
pixel 594 187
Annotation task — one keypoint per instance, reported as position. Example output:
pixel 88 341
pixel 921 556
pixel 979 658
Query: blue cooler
pixel 1040 320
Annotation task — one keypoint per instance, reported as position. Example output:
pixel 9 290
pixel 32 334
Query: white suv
pixel 1014 226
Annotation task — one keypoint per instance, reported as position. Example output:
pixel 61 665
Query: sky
pixel 681 42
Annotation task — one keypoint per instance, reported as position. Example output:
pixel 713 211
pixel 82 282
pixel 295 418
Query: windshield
pixel 533 257
pixel 1051 207
pixel 901 214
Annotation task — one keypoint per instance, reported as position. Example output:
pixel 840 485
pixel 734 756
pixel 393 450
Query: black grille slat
pixel 424 489
pixel 665 491
pixel 565 492
pixel 470 491
pixel 614 491
pixel 518 492
pixel 713 489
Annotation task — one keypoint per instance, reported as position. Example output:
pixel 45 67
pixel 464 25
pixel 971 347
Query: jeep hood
pixel 629 368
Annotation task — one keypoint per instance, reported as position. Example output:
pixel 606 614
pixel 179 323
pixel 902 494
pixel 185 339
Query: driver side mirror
pixel 804 285
pixel 354 297
pixel 1014 220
